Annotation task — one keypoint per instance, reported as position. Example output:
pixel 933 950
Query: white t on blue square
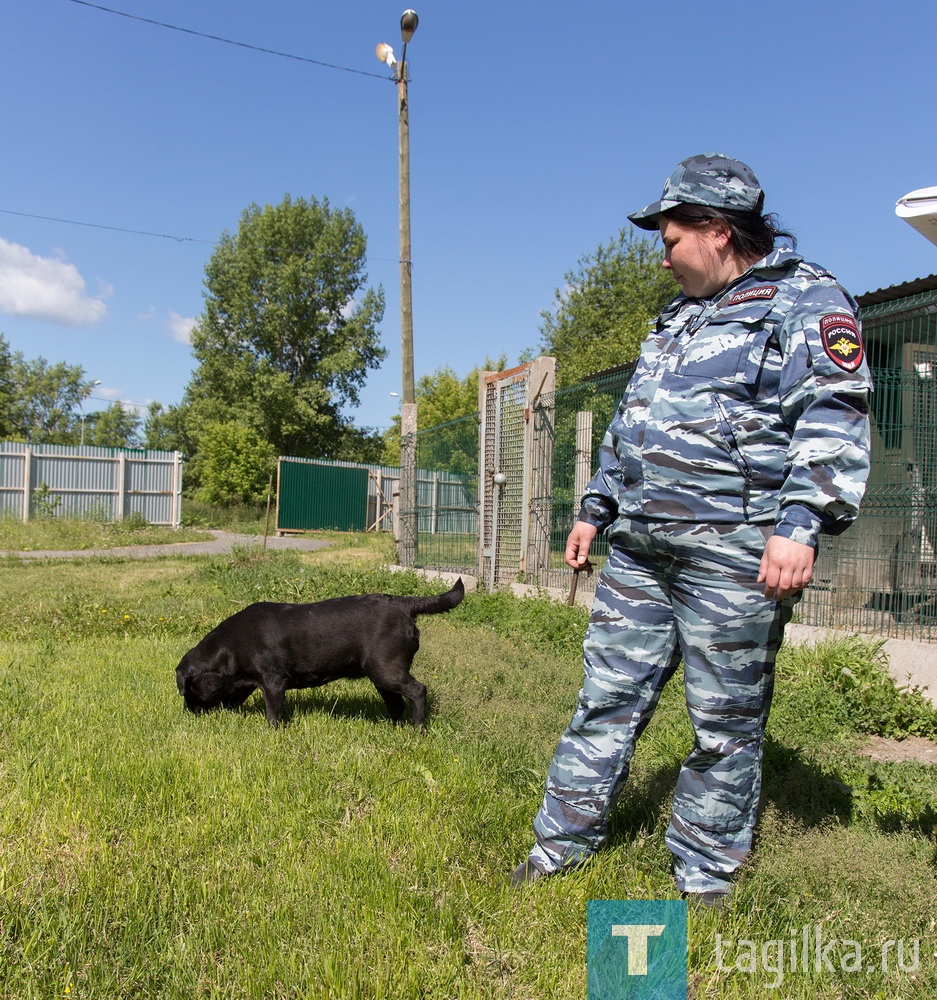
pixel 636 949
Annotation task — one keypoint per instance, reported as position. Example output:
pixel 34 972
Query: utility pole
pixel 407 507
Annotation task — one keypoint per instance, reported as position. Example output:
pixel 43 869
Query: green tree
pixel 166 428
pixel 440 397
pixel 360 444
pixel 115 427
pixel 46 400
pixel 233 464
pixel 601 316
pixel 7 394
pixel 289 330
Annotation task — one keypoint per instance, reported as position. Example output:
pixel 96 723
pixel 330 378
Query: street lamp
pixel 82 406
pixel 408 532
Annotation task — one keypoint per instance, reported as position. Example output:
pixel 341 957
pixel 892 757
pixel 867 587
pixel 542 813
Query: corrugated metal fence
pixel 348 496
pixel 82 481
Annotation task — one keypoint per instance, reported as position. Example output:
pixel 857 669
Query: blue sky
pixel 535 128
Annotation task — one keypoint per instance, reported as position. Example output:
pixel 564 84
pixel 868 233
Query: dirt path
pixel 222 541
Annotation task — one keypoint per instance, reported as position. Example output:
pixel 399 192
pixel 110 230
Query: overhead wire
pixel 216 38
pixel 163 236
pixel 229 41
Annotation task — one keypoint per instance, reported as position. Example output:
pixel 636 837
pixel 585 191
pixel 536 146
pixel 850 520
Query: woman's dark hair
pixel 752 234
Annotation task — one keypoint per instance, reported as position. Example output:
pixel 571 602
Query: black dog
pixel 276 647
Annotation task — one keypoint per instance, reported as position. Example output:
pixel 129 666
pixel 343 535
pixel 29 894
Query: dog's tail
pixel 437 603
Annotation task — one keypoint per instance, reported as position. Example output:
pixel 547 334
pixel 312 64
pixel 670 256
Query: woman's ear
pixel 722 235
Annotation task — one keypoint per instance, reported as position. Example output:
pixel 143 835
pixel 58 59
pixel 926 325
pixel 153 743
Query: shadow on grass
pixel 339 704
pixel 343 704
pixel 799 789
pixel 796 788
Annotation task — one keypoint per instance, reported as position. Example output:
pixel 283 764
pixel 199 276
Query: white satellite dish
pixel 919 209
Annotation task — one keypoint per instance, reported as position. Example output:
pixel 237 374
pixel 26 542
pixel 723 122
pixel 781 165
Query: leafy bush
pixel 233 464
pixel 45 504
pixel 850 678
pixel 541 621
pixel 896 803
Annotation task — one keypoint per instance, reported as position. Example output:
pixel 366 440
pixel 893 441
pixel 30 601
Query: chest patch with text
pixel 842 340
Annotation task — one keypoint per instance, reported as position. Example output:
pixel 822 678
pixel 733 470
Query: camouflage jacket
pixel 749 406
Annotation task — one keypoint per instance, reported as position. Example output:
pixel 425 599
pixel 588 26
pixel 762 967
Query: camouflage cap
pixel 712 179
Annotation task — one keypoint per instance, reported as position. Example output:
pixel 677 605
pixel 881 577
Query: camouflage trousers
pixel 670 592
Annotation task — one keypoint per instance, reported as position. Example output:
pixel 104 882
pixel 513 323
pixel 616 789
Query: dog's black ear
pixel 183 673
pixel 219 661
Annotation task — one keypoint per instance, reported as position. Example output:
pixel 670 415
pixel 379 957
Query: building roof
pixel 902 291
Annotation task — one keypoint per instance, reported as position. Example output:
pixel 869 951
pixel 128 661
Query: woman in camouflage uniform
pixel 742 436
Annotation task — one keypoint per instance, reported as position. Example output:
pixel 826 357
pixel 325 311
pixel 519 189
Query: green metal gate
pixel 324 497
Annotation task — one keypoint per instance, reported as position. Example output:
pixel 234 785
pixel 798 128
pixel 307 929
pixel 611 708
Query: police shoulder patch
pixel 842 340
pixel 761 292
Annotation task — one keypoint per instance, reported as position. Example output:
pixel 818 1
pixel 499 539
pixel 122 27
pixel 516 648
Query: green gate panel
pixel 323 497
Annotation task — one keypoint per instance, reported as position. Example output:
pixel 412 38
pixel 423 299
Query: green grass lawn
pixel 148 853
pixel 66 534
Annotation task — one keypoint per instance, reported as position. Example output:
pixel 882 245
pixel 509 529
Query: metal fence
pixel 81 481
pixel 325 494
pixel 881 575
pixel 447 496
pixel 315 494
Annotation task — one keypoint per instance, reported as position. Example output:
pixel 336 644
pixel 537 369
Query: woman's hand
pixel 786 567
pixel 577 544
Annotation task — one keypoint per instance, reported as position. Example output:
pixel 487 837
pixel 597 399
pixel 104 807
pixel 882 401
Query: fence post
pixel 539 433
pixel 176 512
pixel 583 457
pixel 27 481
pixel 121 485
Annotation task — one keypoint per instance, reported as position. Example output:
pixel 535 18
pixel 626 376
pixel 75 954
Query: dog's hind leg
pixel 396 704
pixel 401 682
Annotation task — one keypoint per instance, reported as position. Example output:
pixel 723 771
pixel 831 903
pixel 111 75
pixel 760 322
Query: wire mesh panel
pixel 447 496
pixel 510 511
pixel 577 417
pixel 503 478
pixel 881 575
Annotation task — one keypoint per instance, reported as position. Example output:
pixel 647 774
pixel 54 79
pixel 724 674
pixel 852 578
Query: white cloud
pixel 103 393
pixel 46 288
pixel 180 327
